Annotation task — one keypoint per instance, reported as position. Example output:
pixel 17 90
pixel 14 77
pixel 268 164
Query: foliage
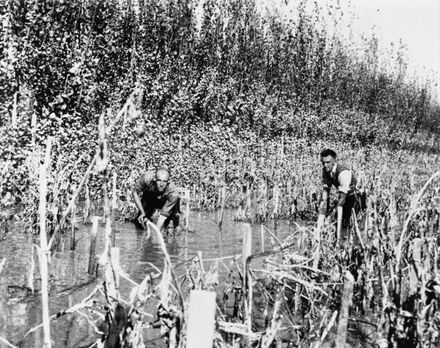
pixel 238 102
pixel 220 65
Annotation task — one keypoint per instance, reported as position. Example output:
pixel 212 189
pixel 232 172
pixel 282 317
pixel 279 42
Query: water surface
pixel 20 310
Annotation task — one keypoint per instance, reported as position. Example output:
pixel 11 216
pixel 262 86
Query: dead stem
pixel 327 329
pixel 5 341
pixel 2 264
pixel 403 238
pixel 168 261
pixel 44 250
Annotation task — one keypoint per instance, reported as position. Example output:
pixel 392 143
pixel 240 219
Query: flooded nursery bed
pixel 70 282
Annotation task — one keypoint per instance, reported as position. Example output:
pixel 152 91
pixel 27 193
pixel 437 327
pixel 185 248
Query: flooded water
pixel 20 309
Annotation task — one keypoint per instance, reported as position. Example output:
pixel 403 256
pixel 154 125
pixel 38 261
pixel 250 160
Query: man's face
pixel 327 163
pixel 162 177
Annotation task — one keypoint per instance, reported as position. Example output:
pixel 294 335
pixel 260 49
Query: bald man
pixel 154 191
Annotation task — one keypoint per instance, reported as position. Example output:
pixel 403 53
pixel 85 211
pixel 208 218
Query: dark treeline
pixel 232 65
pixel 223 72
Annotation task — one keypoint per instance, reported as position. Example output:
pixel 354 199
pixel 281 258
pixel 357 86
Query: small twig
pixel 222 258
pixel 274 237
pixel 5 341
pixel 91 323
pixel 127 278
pixel 95 344
pixel 71 310
pixel 327 329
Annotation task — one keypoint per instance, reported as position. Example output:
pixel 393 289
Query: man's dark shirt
pixel 164 201
pixel 338 178
pixel 344 179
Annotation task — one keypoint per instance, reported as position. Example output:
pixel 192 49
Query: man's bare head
pixel 162 178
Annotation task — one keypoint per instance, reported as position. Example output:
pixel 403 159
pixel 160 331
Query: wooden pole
pixel 14 109
pixel 201 323
pixel 92 252
pixel 247 242
pixel 247 281
pixel 188 199
pixel 30 279
pixel 114 206
pixel 344 312
pixel 115 257
pixel 72 236
pixel 317 246
pixel 276 201
pixel 2 288
pixel 33 129
pixel 2 265
pixel 3 318
pixel 248 200
pixel 44 251
pixel 223 203
pixel 86 215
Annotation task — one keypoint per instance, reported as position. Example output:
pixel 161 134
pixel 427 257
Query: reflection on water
pixel 69 282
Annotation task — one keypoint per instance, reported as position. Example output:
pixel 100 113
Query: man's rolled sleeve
pixel 344 179
pixel 171 201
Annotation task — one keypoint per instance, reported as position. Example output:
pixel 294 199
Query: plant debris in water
pixel 238 103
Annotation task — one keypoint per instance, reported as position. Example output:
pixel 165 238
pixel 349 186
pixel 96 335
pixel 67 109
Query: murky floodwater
pixel 69 282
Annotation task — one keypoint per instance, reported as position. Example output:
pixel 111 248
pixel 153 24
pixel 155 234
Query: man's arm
pixel 137 201
pixel 323 208
pixel 344 181
pixel 139 187
pixel 172 199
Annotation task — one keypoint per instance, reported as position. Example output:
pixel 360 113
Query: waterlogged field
pixel 297 288
pixel 238 100
pixel 139 255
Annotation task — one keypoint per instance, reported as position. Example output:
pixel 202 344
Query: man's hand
pixel 138 203
pixel 142 218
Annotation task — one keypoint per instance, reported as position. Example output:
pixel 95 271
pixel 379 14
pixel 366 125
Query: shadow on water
pixel 20 309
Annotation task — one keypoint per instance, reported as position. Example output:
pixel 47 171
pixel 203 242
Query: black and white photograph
pixel 220 173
